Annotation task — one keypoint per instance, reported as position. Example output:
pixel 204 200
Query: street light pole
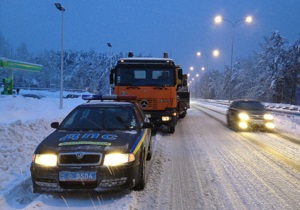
pixel 110 46
pixel 219 19
pixel 62 9
pixel 110 57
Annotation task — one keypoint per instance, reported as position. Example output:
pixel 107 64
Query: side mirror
pixel 54 124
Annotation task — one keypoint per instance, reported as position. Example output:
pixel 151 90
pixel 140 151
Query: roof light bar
pixel 108 97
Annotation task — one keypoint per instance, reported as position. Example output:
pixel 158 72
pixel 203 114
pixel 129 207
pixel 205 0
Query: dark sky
pixel 179 27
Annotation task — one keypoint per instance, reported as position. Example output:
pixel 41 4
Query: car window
pixel 100 118
pixel 250 105
pixel 119 119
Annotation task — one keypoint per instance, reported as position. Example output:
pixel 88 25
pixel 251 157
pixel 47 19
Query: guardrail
pixel 274 107
pixel 50 89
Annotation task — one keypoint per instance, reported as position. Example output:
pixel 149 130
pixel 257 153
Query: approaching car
pixel 249 115
pixel 99 146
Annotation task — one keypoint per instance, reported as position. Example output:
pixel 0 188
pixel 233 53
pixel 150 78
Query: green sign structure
pixel 18 65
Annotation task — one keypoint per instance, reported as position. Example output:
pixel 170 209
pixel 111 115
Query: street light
pixel 219 19
pixel 215 53
pixel 62 9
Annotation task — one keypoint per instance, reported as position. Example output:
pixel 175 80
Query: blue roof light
pixel 109 97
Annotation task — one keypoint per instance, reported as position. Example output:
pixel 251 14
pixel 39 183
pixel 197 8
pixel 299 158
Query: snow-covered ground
pixel 24 122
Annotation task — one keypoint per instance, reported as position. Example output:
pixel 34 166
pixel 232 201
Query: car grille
pixel 151 103
pixel 256 117
pixel 79 159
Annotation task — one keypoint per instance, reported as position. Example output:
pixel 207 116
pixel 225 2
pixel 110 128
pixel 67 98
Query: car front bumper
pixel 106 178
pixel 256 124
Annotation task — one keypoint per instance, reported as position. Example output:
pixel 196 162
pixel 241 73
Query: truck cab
pixel 155 82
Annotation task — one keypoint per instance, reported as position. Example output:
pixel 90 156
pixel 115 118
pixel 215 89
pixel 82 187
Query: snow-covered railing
pixel 274 107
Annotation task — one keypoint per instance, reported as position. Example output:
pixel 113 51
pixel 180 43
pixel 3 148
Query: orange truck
pixel 159 84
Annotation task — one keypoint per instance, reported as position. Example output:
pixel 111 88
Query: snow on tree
pixel 271 63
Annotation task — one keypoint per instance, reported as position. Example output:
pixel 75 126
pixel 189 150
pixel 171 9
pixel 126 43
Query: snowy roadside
pixel 24 123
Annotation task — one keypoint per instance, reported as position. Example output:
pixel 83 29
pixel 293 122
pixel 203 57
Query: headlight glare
pixel 46 159
pixel 165 118
pixel 244 116
pixel 115 159
pixel 243 125
pixel 270 125
pixel 268 117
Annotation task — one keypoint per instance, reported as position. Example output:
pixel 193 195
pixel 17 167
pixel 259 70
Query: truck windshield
pixel 145 77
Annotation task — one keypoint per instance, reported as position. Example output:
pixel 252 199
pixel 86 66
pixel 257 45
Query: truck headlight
pixel 45 159
pixel 268 117
pixel 165 118
pixel 244 116
pixel 115 159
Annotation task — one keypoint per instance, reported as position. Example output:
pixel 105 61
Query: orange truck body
pixel 155 82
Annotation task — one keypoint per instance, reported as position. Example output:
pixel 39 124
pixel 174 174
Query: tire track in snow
pixel 282 173
pixel 284 158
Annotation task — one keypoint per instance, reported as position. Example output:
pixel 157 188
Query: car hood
pixel 66 141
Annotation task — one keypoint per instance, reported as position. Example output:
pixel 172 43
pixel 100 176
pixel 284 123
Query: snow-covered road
pixel 208 166
pixel 203 165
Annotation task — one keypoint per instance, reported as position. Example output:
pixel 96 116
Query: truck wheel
pixel 140 185
pixel 171 129
pixel 182 115
pixel 154 131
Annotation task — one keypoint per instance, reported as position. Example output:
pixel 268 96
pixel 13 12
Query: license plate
pixel 77 176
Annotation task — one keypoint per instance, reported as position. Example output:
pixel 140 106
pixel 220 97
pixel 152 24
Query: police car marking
pixel 84 143
pixel 109 136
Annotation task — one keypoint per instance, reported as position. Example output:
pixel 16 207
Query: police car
pixel 99 146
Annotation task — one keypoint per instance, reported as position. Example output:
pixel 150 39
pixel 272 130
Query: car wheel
pixel 229 123
pixel 149 155
pixel 142 177
pixel 233 126
pixel 34 188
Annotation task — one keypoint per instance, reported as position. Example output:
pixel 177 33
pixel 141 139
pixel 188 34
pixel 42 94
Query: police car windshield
pixel 145 76
pixel 100 118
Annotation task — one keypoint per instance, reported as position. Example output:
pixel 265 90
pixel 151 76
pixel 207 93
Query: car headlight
pixel 45 159
pixel 115 159
pixel 243 125
pixel 268 117
pixel 270 125
pixel 244 116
